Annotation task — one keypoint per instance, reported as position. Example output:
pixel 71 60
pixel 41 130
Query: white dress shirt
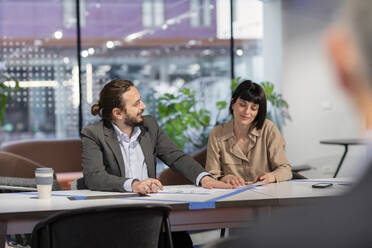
pixel 134 160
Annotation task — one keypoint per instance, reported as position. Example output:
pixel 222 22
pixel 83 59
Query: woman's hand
pixel 266 178
pixel 148 185
pixel 210 183
pixel 233 180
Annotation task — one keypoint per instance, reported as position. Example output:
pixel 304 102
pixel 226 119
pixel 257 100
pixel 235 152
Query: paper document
pixel 189 189
pixel 259 183
pixel 192 189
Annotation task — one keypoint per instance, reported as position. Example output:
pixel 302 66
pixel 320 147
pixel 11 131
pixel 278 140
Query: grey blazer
pixel 103 164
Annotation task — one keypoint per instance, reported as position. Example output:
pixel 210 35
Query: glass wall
pixel 161 45
pixel 248 35
pixel 40 51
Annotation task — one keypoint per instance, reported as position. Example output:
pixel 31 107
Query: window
pixel 248 32
pixel 158 60
pixel 69 13
pixel 200 13
pixel 38 51
pixel 152 13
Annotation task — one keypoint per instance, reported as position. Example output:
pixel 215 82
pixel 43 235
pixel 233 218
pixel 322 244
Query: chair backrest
pixel 18 171
pixel 171 177
pixel 109 226
pixel 61 155
pixel 13 165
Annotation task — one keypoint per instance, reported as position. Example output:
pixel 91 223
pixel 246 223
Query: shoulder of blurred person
pixel 340 221
pixel 336 222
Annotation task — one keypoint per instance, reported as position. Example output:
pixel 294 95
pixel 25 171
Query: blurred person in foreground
pixel 343 221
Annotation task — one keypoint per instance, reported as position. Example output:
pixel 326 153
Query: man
pixel 119 152
pixel 345 222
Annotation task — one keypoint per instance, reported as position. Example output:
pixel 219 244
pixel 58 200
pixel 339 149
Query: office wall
pixel 318 107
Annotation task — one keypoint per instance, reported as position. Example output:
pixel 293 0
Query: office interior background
pixel 165 45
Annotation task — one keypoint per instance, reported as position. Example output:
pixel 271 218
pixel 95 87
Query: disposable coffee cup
pixel 44 182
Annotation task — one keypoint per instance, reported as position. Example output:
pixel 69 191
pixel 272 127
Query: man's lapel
pixel 112 140
pixel 147 149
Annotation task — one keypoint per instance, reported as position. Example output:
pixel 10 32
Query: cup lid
pixel 44 170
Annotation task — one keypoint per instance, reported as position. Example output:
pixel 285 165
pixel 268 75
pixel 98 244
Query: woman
pixel 249 147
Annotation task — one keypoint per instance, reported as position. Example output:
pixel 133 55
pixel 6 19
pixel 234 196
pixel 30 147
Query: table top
pixel 186 197
pixel 354 141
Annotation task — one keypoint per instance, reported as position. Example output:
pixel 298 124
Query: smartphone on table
pixel 321 185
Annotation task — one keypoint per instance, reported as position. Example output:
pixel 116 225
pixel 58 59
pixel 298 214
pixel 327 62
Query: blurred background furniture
pixel 13 165
pixel 61 155
pixel 17 173
pixel 105 226
pixel 343 142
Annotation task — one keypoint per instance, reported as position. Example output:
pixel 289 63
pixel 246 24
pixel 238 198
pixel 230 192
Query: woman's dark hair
pixel 251 92
pixel 110 97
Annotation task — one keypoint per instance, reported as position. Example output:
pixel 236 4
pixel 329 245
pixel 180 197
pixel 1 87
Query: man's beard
pixel 133 121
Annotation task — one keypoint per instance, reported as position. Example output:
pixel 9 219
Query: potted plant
pixel 277 109
pixel 7 85
pixel 183 121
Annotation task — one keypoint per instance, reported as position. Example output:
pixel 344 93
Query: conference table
pixel 193 208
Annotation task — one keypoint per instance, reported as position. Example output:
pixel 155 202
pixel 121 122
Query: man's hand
pixel 210 183
pixel 233 180
pixel 266 178
pixel 148 185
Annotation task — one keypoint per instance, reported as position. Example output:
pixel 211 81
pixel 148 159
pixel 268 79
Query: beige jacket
pixel 265 153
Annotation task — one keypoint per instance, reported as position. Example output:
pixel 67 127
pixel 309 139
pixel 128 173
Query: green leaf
pixel 5 93
pixel 221 105
pixel 169 96
pixel 206 119
pixel 3 100
pixel 186 91
pixel 235 83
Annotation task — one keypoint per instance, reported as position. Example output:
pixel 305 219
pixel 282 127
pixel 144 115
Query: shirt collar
pixel 124 137
pixel 228 130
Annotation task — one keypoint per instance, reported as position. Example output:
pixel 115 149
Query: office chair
pixel 61 155
pixel 171 177
pixel 17 174
pixel 16 170
pixel 298 168
pixel 105 226
pixel 13 165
